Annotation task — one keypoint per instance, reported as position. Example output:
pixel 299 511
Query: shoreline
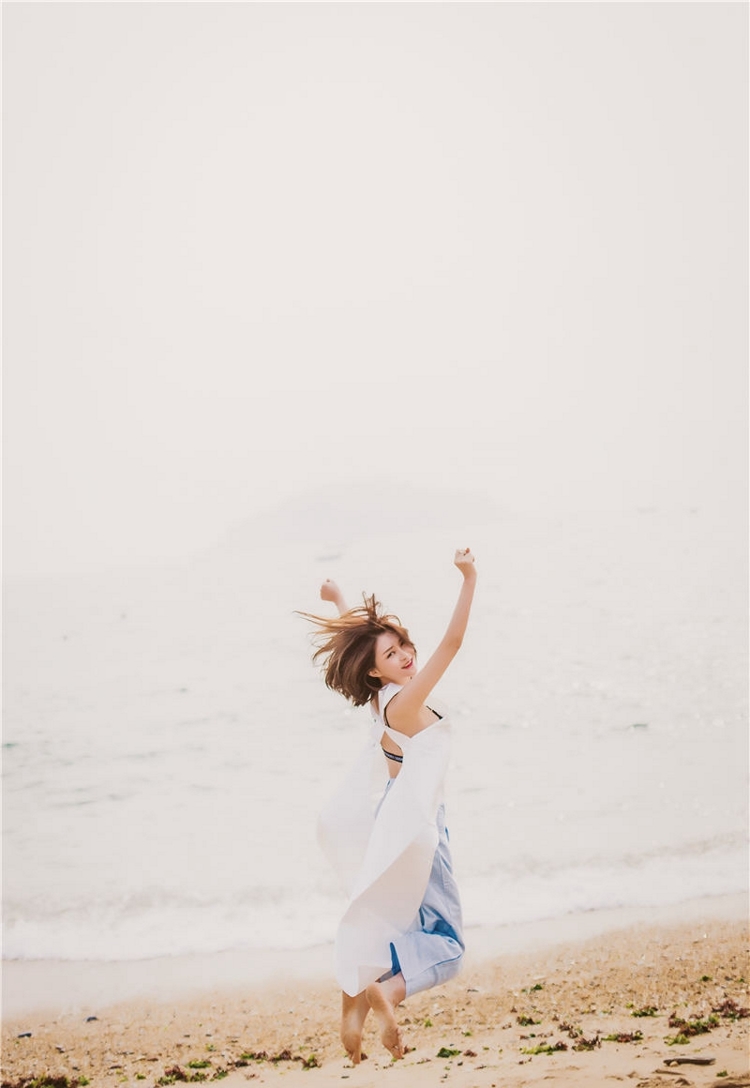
pixel 32 987
pixel 600 999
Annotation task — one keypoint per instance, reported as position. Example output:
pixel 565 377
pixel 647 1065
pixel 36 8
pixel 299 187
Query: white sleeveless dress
pixel 386 839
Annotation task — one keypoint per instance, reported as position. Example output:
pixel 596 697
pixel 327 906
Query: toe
pixel 353 1048
pixel 394 1043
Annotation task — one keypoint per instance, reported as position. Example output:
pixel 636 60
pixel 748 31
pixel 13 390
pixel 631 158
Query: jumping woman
pixel 401 932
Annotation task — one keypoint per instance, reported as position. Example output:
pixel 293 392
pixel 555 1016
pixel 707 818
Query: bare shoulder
pixel 410 720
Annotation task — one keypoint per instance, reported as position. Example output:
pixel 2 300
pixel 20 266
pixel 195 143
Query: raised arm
pixel 329 591
pixel 404 709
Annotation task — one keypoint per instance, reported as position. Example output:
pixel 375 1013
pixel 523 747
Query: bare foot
pixel 354 1012
pixel 383 998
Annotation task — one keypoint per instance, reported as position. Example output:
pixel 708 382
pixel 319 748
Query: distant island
pixel 362 510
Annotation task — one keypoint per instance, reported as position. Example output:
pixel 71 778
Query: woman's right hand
pixel 404 709
pixel 464 560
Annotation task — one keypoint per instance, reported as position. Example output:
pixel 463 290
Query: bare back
pixel 393 754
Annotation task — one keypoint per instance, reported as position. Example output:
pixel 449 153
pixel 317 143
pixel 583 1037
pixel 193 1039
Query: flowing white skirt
pixel 384 849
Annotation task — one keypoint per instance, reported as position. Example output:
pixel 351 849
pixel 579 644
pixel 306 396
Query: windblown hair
pixel 346 647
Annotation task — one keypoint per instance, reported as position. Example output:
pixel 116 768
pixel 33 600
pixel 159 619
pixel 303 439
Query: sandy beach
pixel 651 1002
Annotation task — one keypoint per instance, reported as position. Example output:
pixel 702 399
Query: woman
pixel 401 932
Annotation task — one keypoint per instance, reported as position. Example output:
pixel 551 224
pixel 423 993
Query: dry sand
pixel 578 999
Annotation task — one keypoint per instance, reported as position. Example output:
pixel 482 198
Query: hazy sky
pixel 254 248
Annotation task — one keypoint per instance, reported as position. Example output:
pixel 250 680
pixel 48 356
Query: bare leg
pixel 354 1012
pixel 384 997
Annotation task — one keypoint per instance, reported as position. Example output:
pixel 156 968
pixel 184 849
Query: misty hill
pixel 359 511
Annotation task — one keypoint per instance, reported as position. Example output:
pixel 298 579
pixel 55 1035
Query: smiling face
pixel 395 659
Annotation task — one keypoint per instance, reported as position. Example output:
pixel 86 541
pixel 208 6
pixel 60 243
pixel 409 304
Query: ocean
pixel 168 744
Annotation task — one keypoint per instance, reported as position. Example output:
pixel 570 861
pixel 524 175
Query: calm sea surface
pixel 167 743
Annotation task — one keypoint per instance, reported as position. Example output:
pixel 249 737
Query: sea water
pixel 167 743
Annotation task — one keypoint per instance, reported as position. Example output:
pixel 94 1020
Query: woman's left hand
pixel 329 591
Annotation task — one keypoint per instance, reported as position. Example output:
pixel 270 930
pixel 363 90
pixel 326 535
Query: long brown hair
pixel 347 647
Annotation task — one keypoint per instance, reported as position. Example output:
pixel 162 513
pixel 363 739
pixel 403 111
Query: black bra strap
pixel 390 755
